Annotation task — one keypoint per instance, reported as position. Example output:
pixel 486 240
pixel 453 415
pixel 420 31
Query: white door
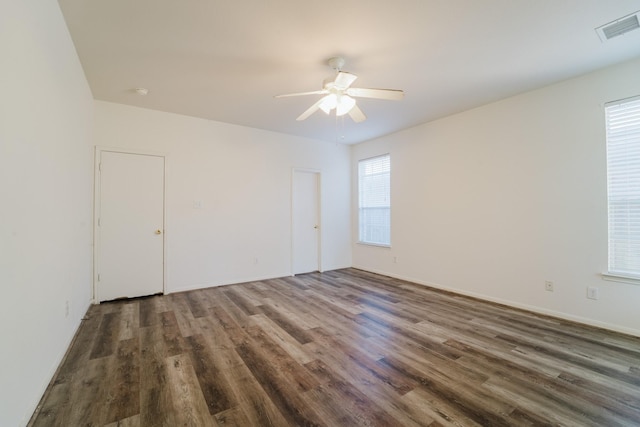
pixel 130 225
pixel 306 221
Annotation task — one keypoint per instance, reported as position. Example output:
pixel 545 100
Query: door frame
pixel 96 210
pixel 318 173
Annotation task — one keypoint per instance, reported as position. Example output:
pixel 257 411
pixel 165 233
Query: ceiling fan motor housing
pixel 336 63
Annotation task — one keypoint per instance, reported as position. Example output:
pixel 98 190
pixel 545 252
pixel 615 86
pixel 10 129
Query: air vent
pixel 619 27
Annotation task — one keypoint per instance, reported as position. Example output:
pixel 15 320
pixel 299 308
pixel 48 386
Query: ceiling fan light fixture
pixel 328 103
pixel 339 94
pixel 345 105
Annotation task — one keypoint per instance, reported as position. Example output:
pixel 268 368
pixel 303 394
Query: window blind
pixel 374 204
pixel 623 186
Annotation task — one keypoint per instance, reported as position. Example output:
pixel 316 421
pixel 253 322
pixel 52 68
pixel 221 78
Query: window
pixel 374 202
pixel 623 179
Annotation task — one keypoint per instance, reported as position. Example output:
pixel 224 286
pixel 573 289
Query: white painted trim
pixel 377 245
pixel 131 151
pixel 96 211
pixel 54 367
pixel 320 228
pixel 217 284
pixel 534 309
pixel 293 175
pixel 612 277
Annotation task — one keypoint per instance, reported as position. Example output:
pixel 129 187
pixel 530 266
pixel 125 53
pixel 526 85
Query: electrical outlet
pixel 548 285
pixel 593 292
pixel 67 308
pixel 395 259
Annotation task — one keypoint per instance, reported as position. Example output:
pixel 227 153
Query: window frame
pixel 621 198
pixel 363 238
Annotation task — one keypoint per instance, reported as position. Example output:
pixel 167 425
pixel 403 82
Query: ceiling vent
pixel 619 26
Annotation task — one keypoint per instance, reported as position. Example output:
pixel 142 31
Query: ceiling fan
pixel 339 94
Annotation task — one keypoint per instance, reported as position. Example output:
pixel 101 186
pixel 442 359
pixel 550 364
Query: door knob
pixel 315 226
pixel 158 231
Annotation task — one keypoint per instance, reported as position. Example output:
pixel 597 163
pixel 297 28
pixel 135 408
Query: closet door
pixel 306 221
pixel 130 225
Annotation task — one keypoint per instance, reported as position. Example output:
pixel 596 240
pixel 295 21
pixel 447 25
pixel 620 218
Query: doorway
pixel 129 230
pixel 305 221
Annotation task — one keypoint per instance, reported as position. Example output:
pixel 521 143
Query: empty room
pixel 338 213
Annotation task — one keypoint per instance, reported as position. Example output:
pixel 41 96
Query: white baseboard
pixel 55 365
pixel 197 286
pixel 534 309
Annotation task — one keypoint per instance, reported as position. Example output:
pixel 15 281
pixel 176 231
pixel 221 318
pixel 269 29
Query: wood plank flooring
pixel 341 348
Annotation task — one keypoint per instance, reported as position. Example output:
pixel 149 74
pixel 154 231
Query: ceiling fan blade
pixel 357 115
pixel 311 110
pixel 343 79
pixel 315 92
pixel 387 94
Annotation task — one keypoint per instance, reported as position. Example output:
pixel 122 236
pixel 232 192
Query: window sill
pixel 612 277
pixel 379 245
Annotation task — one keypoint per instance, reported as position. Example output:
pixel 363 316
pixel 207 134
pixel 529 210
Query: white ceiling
pixel 225 60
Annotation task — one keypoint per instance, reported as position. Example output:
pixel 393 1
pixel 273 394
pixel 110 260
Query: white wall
pixel 496 200
pixel 242 177
pixel 45 200
pixel 490 202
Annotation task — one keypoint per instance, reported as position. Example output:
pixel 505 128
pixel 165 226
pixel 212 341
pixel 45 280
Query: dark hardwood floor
pixel 341 348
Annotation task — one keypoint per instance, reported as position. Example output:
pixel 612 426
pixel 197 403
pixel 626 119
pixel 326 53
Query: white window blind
pixel 374 200
pixel 623 178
